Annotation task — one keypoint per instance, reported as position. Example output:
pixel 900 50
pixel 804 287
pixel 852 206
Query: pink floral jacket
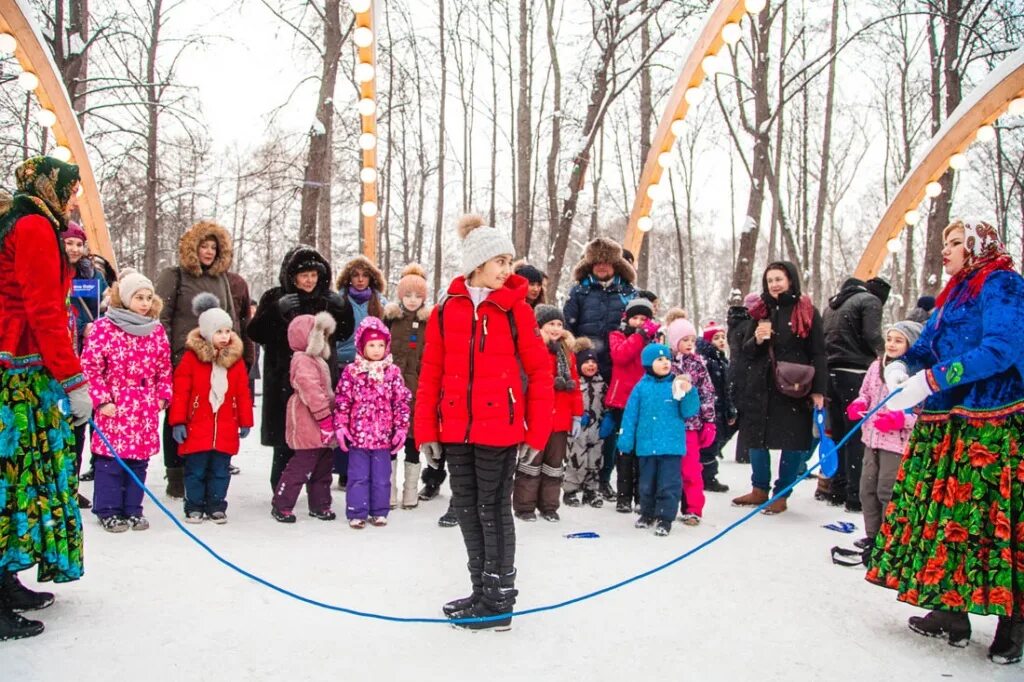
pixel 372 404
pixel 134 373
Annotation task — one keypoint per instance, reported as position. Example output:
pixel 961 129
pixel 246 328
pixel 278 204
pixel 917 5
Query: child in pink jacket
pixel 700 428
pixel 128 362
pixel 309 426
pixel 372 420
pixel 626 343
pixel 885 435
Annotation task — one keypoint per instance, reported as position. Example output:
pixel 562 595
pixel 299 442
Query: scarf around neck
pixel 801 318
pixel 131 322
pixel 360 296
pixel 374 368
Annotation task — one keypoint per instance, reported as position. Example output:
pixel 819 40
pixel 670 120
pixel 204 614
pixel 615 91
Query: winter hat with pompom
pixel 677 331
pixel 584 351
pixel 547 313
pixel 132 282
pixel 712 328
pixel 413 281
pixel 481 243
pixel 212 318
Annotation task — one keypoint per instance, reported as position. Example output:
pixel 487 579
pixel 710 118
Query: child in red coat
pixel 539 480
pixel 211 409
pixel 638 329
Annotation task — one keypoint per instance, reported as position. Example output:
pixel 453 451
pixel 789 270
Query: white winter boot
pixel 394 483
pixel 410 498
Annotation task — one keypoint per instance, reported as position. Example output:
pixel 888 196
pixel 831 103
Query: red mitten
pixel 890 421
pixel 650 329
pixel 856 410
pixel 707 435
pixel 327 429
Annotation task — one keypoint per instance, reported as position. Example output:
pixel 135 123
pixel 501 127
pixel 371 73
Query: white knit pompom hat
pixel 212 318
pixel 481 243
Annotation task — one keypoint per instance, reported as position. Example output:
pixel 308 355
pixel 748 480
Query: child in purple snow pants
pixel 369 483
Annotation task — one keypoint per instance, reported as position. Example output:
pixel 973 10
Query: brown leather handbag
pixel 792 379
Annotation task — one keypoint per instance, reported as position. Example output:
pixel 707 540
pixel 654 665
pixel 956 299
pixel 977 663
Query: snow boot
pixel 551 516
pixel 715 486
pixel 644 523
pixel 457 606
pixel 83 502
pixel 623 507
pixel 955 626
pixel 449 519
pixel 394 484
pixel 497 599
pixel 176 482
pixel 571 499
pixel 18 598
pixel 1008 644
pixel 776 507
pixel 606 492
pixel 14 626
pixel 411 500
pixel 592 499
pixel 755 498
pixel 662 528
pixel 527 516
pixel 864 543
pixel 429 491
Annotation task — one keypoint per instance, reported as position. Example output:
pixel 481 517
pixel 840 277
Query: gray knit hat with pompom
pixel 212 317
pixel 481 243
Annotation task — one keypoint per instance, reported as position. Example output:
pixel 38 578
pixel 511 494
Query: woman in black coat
pixel 305 289
pixel 787 323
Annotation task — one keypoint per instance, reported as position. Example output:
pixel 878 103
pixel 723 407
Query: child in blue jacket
pixel 654 429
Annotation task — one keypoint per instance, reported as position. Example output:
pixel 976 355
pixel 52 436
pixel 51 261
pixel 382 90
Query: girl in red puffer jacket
pixel 472 407
pixel 211 409
pixel 539 481
pixel 638 329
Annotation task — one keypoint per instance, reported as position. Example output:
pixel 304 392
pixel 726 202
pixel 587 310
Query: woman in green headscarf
pixel 42 390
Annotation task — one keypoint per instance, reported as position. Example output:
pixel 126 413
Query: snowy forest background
pixel 484 105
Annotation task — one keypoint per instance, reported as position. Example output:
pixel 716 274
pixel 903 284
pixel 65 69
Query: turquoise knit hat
pixel 654 351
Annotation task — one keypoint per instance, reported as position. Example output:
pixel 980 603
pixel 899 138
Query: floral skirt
pixel 953 534
pixel 40 524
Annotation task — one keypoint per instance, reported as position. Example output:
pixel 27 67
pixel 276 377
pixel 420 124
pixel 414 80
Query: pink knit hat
pixel 712 328
pixel 74 231
pixel 679 329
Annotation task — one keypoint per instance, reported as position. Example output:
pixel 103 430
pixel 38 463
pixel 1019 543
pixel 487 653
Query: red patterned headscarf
pixel 986 254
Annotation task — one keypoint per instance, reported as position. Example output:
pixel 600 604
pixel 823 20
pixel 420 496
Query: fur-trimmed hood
pixel 116 302
pixel 372 323
pixel 205 351
pixel 377 282
pixel 310 334
pixel 393 311
pixel 603 250
pixel 302 258
pixel 188 249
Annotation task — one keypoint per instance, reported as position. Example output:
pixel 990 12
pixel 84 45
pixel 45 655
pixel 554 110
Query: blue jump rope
pixel 823 456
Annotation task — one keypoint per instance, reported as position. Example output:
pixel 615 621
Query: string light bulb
pixel 367 141
pixel 893 245
pixel 985 134
pixel 655 192
pixel 28 81
pixel 61 153
pixel 8 44
pixel 366 107
pixel 731 33
pixel 359 6
pixel 46 118
pixel 644 223
pixel 710 65
pixel 678 127
pixel 694 96
pixel 363 36
pixel 932 190
pixel 958 161
pixel 364 72
pixel 665 159
pixel 912 217
pixel 1016 107
pixel 368 176
pixel 755 6
pixel 368 209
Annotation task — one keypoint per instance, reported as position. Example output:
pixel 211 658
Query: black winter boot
pixel 955 626
pixel 429 491
pixel 18 598
pixel 448 519
pixel 606 492
pixel 456 607
pixel 1008 644
pixel 14 626
pixel 176 482
pixel 498 598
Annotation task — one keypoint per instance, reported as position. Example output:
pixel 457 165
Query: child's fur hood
pixel 310 334
pixel 393 311
pixel 188 249
pixel 116 302
pixel 205 351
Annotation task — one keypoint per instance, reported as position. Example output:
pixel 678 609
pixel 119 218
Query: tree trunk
pixel 556 122
pixel 643 259
pixel 524 138
pixel 315 209
pixel 439 216
pixel 152 141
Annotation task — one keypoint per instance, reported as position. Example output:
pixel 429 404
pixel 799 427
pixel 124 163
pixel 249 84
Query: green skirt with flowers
pixel 40 524
pixel 953 534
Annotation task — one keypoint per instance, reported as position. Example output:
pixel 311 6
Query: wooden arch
pixel 723 20
pixel 987 102
pixel 34 57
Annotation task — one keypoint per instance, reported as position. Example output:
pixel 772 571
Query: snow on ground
pixel 764 603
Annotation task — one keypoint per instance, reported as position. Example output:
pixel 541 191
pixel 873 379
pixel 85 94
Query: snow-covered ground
pixel 764 603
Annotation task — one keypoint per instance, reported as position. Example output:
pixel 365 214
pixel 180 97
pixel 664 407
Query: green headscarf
pixel 44 188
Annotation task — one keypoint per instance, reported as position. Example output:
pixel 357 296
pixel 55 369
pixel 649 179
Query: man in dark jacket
pixel 596 303
pixel 305 289
pixel 853 340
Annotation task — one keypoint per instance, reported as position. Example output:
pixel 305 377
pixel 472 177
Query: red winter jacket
pixel 34 325
pixel 191 402
pixel 568 404
pixel 626 366
pixel 471 386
